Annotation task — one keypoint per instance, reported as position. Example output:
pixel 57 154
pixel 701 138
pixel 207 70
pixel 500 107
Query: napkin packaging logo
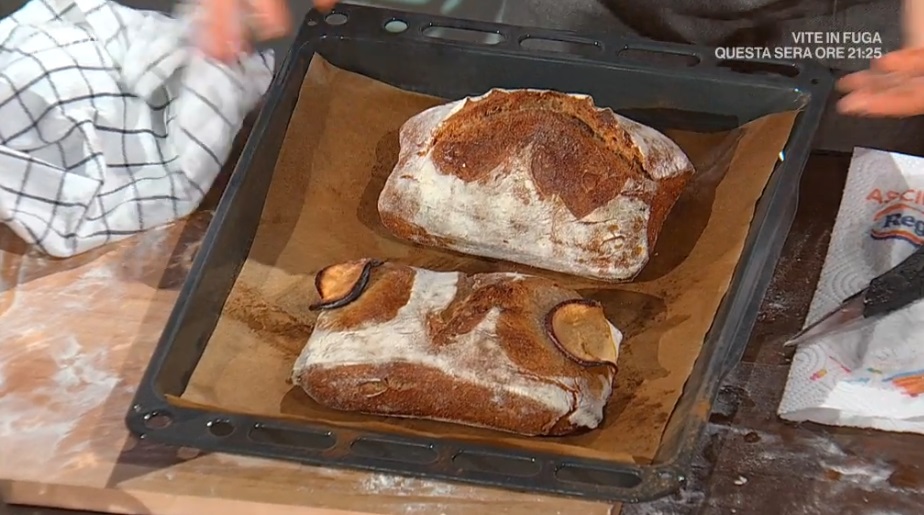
pixel 899 221
pixel 901 216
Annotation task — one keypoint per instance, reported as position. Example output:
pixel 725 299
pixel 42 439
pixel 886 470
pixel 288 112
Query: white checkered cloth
pixel 111 123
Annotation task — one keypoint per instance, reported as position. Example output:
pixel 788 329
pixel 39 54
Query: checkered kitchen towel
pixel 111 123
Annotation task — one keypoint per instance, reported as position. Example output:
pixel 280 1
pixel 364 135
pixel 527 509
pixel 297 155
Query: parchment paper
pixel 321 209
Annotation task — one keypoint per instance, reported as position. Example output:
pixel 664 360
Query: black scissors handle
pixel 896 288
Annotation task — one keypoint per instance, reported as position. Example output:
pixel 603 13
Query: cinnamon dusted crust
pixel 474 350
pixel 537 177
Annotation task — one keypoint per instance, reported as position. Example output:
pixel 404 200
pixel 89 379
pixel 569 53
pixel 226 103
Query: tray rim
pixel 654 481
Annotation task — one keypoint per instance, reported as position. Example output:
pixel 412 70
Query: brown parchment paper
pixel 342 143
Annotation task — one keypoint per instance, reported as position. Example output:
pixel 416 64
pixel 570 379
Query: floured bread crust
pixel 503 351
pixel 540 178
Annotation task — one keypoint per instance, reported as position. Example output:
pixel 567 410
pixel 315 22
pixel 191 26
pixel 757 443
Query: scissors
pixel 887 293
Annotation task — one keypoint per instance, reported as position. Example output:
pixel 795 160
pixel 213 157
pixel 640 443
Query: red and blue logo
pixel 899 221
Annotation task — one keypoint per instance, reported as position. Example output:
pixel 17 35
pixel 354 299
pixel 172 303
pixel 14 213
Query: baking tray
pixel 451 59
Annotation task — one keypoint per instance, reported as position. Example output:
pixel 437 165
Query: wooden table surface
pixel 75 337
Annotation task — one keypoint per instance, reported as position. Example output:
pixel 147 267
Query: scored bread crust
pixel 446 346
pixel 540 178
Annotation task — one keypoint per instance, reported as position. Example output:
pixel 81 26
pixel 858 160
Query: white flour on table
pixel 51 375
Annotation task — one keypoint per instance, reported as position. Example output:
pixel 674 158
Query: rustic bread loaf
pixel 539 178
pixel 503 351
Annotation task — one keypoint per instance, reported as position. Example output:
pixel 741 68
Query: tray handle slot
pixel 757 67
pixel 496 464
pixel 574 473
pixel 575 46
pixel 157 419
pixel 463 34
pixel 220 427
pixel 394 451
pixel 658 56
pixel 395 26
pixel 336 18
pixel 303 439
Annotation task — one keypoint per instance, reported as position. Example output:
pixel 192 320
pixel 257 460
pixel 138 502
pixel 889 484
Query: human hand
pixel 892 87
pixel 894 84
pixel 225 23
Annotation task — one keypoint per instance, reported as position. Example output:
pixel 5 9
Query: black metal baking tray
pixel 402 49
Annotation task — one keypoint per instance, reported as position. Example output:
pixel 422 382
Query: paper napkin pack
pixel 873 376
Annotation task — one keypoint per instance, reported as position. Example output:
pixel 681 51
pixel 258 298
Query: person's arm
pixel 913 23
pixel 894 84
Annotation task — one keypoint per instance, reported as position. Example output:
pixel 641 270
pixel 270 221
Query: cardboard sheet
pixel 342 143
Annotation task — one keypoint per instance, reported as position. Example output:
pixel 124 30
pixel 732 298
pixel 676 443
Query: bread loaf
pixel 539 178
pixel 504 351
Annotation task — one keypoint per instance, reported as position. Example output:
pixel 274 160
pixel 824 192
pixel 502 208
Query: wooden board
pixel 75 338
